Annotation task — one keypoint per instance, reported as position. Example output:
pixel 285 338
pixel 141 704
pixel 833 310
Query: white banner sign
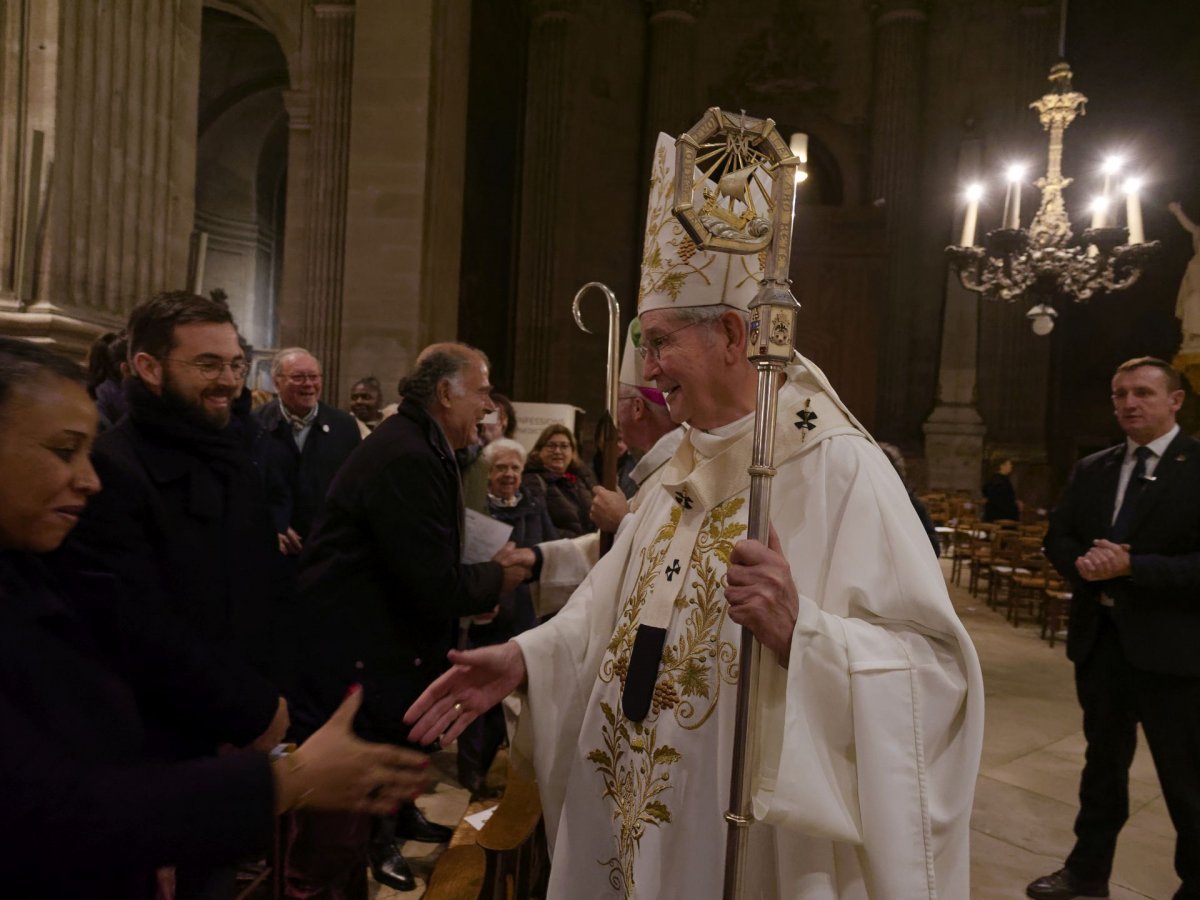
pixel 532 419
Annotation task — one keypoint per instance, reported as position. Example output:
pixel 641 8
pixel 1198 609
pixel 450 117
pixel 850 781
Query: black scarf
pixel 168 423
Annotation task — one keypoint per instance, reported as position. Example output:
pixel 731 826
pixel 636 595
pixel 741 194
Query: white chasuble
pixel 869 739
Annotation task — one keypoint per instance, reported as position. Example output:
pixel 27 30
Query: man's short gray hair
pixel 283 355
pixel 503 445
pixel 708 315
pixel 437 362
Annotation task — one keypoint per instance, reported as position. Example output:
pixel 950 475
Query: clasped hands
pixel 1104 561
pixel 517 563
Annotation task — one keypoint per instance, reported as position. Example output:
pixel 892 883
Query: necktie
pixel 1137 483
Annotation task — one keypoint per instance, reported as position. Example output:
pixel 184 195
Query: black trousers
pixel 1115 696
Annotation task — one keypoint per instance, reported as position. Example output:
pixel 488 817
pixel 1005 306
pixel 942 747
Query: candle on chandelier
pixel 1099 211
pixel 1112 165
pixel 974 193
pixel 1012 198
pixel 1133 211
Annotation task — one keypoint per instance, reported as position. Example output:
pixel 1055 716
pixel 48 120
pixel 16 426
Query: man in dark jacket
pixel 1126 534
pixel 310 440
pixel 183 520
pixel 382 588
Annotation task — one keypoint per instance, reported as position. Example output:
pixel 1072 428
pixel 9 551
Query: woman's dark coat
pixel 86 812
pixel 568 497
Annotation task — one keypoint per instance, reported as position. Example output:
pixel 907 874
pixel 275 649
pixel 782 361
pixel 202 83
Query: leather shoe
pixel 411 825
pixel 1065 885
pixel 391 869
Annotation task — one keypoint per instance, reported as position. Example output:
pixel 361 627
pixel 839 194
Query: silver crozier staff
pixel 608 423
pixel 730 150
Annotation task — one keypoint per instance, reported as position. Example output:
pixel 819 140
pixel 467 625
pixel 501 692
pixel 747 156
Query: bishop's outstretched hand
pixel 477 681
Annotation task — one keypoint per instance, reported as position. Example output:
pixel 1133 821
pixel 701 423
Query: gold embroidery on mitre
pixel 668 252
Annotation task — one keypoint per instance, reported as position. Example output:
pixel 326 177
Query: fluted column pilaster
pixel 124 171
pixel 670 68
pixel 292 290
pixel 333 54
pixel 542 171
pixel 894 173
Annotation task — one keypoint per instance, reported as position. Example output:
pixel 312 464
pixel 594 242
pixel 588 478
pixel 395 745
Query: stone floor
pixel 1025 799
pixel 1027 793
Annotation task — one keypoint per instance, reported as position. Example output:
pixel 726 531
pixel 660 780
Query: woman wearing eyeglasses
pixel 568 484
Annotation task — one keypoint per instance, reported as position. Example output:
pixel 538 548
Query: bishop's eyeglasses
pixel 653 347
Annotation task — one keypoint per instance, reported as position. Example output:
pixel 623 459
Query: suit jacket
pixel 1156 608
pixel 305 474
pixel 83 671
pixel 381 584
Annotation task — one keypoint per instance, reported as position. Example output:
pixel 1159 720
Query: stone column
pixel 541 176
pixel 333 52
pixel 895 164
pixel 292 292
pixel 445 178
pixel 113 89
pixel 670 70
pixel 954 430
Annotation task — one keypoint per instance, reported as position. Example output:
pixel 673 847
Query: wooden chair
pixel 1056 609
pixel 514 841
pixel 982 535
pixel 459 874
pixel 1006 558
pixel 1028 587
pixel 506 859
pixel 961 544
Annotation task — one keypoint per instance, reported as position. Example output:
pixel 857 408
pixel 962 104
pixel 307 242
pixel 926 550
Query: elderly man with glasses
pixel 183 522
pixel 308 442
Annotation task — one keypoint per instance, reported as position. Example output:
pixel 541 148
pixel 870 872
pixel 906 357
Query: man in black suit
pixel 1126 534
pixel 382 587
pixel 310 440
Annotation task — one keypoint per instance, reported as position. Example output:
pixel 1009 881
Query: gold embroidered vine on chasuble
pixel 633 765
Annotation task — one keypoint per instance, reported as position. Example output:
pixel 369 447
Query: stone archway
pixel 241 169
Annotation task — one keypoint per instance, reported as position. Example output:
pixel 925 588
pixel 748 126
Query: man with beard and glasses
pixel 183 521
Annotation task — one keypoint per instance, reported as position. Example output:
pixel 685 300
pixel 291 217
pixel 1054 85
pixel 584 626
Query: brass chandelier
pixel 1040 262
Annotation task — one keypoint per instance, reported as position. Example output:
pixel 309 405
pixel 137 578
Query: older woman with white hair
pixel 523 507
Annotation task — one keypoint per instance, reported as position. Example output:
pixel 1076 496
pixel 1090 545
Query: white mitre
pixel 675 272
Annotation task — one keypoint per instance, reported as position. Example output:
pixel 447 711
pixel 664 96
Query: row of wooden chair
pixel 1004 562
